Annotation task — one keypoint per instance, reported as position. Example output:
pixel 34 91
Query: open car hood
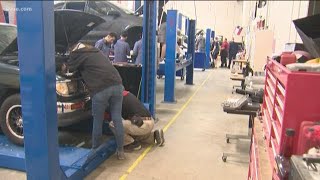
pixel 70 27
pixel 309 31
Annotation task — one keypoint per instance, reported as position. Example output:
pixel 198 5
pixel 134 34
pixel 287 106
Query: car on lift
pixel 117 19
pixel 73 100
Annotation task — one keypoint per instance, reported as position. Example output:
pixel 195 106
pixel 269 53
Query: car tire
pixel 11 119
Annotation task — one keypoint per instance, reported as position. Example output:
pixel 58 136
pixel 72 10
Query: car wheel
pixel 11 119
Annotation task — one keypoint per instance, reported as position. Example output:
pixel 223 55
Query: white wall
pixel 279 16
pixel 221 16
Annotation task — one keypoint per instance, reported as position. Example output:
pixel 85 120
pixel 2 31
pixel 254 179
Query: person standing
pixel 137 51
pixel 201 43
pixel 224 53
pixel 121 48
pixel 105 87
pixel 105 43
pixel 162 39
pixel 215 51
pixel 233 50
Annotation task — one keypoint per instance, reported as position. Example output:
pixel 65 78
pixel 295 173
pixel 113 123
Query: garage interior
pixel 257 119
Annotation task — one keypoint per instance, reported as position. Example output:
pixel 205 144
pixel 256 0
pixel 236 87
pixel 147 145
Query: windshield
pixel 125 10
pixel 7 34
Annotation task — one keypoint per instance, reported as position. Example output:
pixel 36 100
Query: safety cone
pixel 2 18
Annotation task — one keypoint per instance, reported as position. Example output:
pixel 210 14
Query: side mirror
pixel 113 13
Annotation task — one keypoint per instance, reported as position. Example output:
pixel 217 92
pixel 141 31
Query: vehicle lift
pixel 170 68
pixel 180 66
pixel 41 157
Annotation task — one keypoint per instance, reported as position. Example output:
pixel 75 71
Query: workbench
pixel 180 68
pixel 238 77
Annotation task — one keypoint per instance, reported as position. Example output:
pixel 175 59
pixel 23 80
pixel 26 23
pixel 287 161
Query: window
pixel 6 16
pixel 7 34
pixel 76 5
pixel 100 7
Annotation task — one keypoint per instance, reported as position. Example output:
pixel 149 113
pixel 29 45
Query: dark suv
pixel 73 101
pixel 117 19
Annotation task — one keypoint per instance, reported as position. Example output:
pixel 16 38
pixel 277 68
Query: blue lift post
pixel 41 156
pixel 190 52
pixel 148 82
pixel 38 94
pixel 170 65
pixel 208 44
pixel 213 34
pixel 187 26
pixel 180 21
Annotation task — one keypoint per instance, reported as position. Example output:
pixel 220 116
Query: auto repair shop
pixel 209 90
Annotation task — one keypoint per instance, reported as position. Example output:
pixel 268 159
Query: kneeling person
pixel 138 124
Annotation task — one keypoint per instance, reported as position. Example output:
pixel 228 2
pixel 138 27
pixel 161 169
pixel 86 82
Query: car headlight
pixel 62 88
pixel 68 88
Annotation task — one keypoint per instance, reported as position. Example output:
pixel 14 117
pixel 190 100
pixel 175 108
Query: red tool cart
pixel 290 98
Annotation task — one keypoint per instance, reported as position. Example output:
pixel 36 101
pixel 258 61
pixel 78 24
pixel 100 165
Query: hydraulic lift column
pixel 37 85
pixel 191 47
pixel 170 65
pixel 148 82
pixel 208 45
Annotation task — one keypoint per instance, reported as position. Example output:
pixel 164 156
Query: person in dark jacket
pixel 121 49
pixel 233 50
pixel 105 43
pixel 138 124
pixel 215 49
pixel 105 88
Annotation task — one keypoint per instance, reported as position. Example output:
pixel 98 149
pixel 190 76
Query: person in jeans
pixel 138 124
pixel 105 88
pixel 105 43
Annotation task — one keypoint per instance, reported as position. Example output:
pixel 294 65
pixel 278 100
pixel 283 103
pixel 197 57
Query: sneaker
pixel 159 137
pixel 135 146
pixel 120 155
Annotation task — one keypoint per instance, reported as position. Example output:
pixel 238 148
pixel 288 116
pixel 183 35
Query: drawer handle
pixel 279 70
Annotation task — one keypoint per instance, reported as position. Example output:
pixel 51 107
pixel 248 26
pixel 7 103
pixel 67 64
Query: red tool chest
pixel 290 98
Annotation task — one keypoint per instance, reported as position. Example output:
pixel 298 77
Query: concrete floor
pixel 195 137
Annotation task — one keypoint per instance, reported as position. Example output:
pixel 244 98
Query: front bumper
pixel 72 112
pixel 66 119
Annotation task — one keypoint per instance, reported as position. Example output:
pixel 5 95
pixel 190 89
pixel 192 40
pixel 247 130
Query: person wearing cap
pixel 121 49
pixel 105 43
pixel 105 87
pixel 138 124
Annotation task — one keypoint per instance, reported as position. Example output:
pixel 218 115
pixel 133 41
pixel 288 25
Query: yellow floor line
pixel 146 151
pixel 167 109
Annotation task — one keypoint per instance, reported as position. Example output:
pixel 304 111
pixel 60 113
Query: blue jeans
pixel 111 96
